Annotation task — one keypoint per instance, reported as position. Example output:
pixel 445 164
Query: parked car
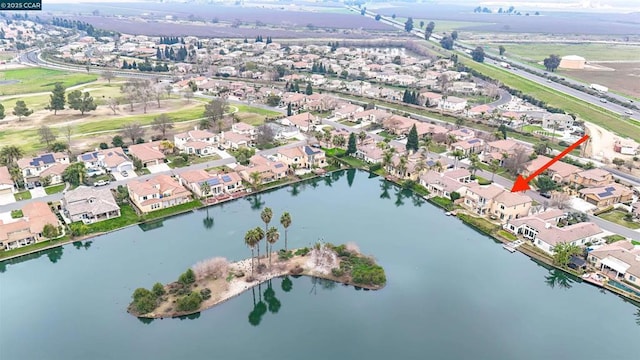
pixel 101 183
pixel 30 186
pixel 602 100
pixel 37 184
pixel 545 195
pixel 628 112
pixel 124 173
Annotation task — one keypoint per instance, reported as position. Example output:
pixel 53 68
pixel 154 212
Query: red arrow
pixel 522 184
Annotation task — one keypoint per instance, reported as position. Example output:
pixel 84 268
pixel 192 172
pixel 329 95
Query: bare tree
pixel 188 94
pixel 108 75
pixel 46 135
pixel 214 111
pixel 158 93
pixel 162 123
pixel 130 92
pixel 560 200
pixel 133 131
pixel 215 267
pixel 265 134
pixel 113 103
pixel 68 131
pixel 517 161
pixel 144 93
pixel 491 90
pixel 168 89
pixel 443 82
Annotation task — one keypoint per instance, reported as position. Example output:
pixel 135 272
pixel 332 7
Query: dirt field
pixel 600 146
pixel 625 78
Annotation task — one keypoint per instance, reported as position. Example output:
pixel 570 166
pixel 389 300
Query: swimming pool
pixel 624 287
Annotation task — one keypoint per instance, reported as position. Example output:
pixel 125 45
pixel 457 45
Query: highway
pixel 540 79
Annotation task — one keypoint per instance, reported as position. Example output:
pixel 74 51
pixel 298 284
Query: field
pixel 625 79
pixel 100 92
pixel 535 52
pixel 32 80
pixel 442 25
pixel 586 111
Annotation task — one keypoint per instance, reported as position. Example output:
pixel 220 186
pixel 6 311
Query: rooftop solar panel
pixel 213 181
pixel 474 141
pixel 48 158
pixel 279 165
pixel 604 194
pixel 87 157
pixel 609 188
pixel 226 178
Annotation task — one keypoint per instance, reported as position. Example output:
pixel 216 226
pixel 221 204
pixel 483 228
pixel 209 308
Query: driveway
pixel 38 192
pixel 154 169
pixel 118 176
pixel 223 154
pixel 7 199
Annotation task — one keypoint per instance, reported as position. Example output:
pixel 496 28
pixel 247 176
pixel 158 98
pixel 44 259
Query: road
pixel 538 77
pixel 112 185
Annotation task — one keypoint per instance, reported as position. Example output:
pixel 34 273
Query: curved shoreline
pixel 229 286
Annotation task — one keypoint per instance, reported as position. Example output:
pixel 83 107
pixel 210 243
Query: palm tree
pixel 438 166
pixel 205 190
pixel 457 154
pixel 266 215
pixel 381 145
pixel 167 147
pixel 259 234
pixel 251 241
pixel 272 237
pixel 494 166
pixel 402 165
pixel 285 220
pixel 362 135
pixel 426 143
pixel 256 180
pixel 10 154
pixel 387 157
pixel 420 165
pixel 474 163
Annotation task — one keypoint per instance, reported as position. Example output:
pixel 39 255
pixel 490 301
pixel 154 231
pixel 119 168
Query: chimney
pixel 547 225
pixel 195 127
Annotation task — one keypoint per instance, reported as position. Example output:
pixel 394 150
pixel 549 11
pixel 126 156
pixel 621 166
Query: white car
pixel 628 112
pixel 101 183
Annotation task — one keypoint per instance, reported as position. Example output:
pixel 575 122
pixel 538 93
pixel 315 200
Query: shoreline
pixel 532 254
pixel 237 280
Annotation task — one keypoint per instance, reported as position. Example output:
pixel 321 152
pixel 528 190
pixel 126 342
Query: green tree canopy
pixel 545 183
pixel 412 139
pixel 351 147
pixel 81 101
pixel 21 110
pixel 57 99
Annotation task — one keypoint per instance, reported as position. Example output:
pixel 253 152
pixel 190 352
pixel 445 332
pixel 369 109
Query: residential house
pixel 479 110
pixel 111 160
pixel 219 183
pixel 441 184
pixel 269 170
pixel 621 258
pixel 149 154
pixel 545 234
pixel 27 229
pixel 34 169
pixel 463 134
pixel 468 147
pixel 452 103
pixel 607 195
pixel 303 121
pixel 158 192
pixel 373 115
pixel 430 99
pixel 510 205
pixel 479 198
pixel 197 142
pixel 560 172
pixel 6 182
pixel 370 153
pixel 559 122
pixel 347 111
pixel 592 177
pixel 304 157
pixel 245 129
pixel 233 140
pixel 398 125
pixel 90 205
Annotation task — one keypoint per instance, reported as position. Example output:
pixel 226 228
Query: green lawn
pixel 532 128
pixel 635 242
pixel 592 52
pixel 32 80
pixel 16 214
pixel 479 223
pixel 441 25
pixel 442 202
pixel 483 181
pixel 172 210
pixel 22 195
pixel 617 216
pixel 437 148
pixel 386 135
pixel 507 235
pixel 586 111
pixel 32 247
pixel 613 238
pixel 353 162
pixel 54 189
pixel 100 93
pixel 254 110
pixel 128 217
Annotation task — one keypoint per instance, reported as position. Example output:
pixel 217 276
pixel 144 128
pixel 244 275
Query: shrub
pixel 215 267
pixel 302 252
pixel 285 255
pixel 375 167
pixel 337 272
pixel 187 278
pixel 190 302
pixel 144 301
pixel 205 294
pixel 158 289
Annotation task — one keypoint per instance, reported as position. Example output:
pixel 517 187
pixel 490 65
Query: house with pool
pixel 621 259
pixel 158 192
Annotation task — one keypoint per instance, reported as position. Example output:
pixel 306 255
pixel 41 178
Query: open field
pixel 584 110
pixel 101 91
pixel 535 52
pixel 625 79
pixel 442 25
pixel 31 80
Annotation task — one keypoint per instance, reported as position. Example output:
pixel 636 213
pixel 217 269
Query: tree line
pixel 82 26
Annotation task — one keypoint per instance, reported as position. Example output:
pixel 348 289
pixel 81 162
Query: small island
pixel 214 281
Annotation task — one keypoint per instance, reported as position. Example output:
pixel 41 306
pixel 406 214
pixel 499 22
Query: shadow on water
pixel 351 175
pixel 146 321
pixel 256 201
pixel 82 245
pixel 151 225
pixel 190 316
pixel 385 186
pixel 207 222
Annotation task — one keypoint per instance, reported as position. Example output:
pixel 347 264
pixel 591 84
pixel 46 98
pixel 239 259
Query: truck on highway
pixel 599 88
pixel 505 65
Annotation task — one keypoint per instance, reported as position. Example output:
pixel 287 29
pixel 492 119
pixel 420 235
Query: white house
pixel 452 103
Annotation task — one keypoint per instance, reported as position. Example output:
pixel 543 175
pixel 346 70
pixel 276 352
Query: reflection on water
pixel 385 186
pixel 151 225
pixel 351 175
pixel 80 245
pixel 287 284
pixel 207 222
pixel 190 316
pixel 256 201
pixel 55 254
pixel 638 317
pixel 559 278
pixel 146 321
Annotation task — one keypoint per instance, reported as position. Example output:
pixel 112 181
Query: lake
pixel 451 293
